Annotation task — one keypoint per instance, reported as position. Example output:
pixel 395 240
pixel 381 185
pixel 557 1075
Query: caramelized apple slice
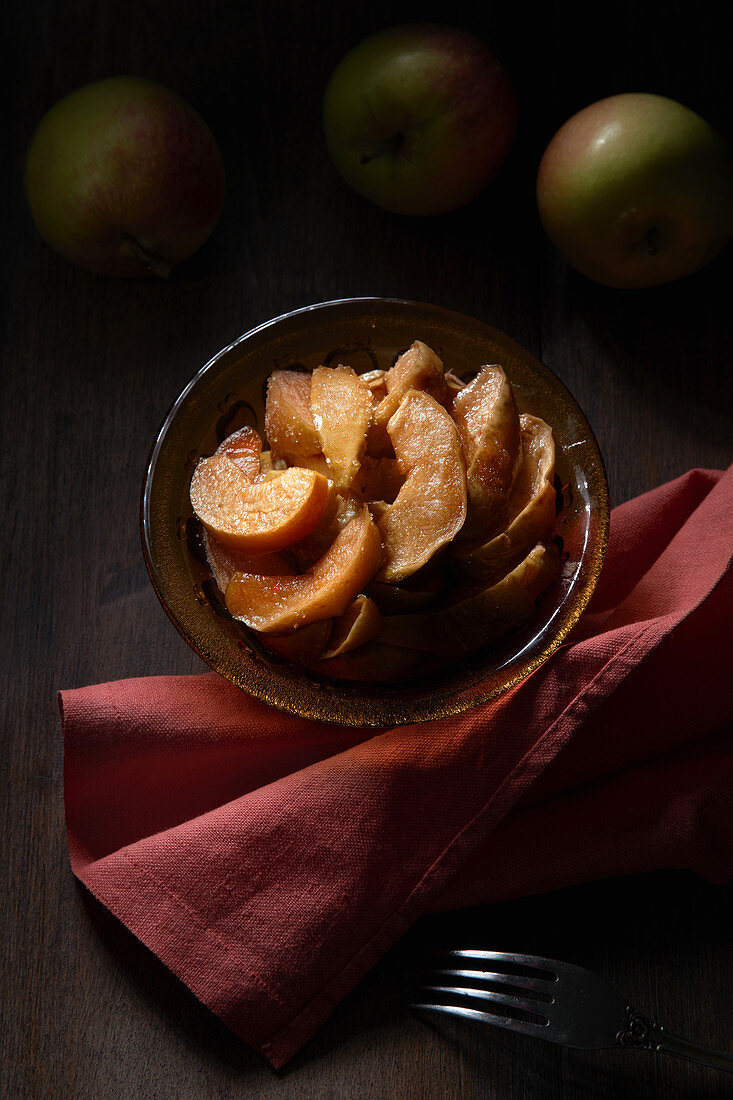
pixel 342 412
pixel 340 510
pixel 359 623
pixel 379 479
pixel 244 448
pixel 530 511
pixel 476 620
pixel 289 425
pixel 275 605
pixel 430 508
pixel 486 415
pixel 304 645
pixel 373 661
pixel 225 562
pixel 419 368
pixel 256 517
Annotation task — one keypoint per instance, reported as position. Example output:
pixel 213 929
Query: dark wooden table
pixel 90 366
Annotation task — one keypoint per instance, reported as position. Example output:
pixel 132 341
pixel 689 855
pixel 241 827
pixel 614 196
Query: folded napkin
pixel 269 861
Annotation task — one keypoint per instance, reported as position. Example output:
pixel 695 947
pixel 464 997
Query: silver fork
pixel 549 1000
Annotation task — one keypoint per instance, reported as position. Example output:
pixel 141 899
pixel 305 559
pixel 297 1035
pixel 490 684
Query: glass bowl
pixel 365 333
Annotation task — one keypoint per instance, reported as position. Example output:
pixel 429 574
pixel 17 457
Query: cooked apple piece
pixel 359 623
pixel 270 464
pixel 375 381
pixel 304 645
pixel 481 618
pixel 225 562
pixel 486 415
pixel 340 510
pixel 430 508
pixel 418 368
pixel 275 605
pixel 341 404
pixel 372 661
pixel 244 448
pixel 256 516
pixel 379 479
pixel 530 511
pixel 417 592
pixel 289 425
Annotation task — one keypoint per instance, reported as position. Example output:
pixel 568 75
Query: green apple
pixel 636 190
pixel 419 118
pixel 124 178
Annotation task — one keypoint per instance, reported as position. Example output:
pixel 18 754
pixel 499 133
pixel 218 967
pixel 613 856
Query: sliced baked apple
pixel 244 448
pixel 255 517
pixel 359 623
pixel 373 661
pixel 418 368
pixel 275 605
pixel 289 425
pixel 486 415
pixel 341 404
pixel 430 508
pixel 225 562
pixel 304 645
pixel 530 513
pixel 480 618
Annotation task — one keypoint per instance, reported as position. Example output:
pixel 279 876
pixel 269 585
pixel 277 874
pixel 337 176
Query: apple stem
pixel 652 241
pixel 155 267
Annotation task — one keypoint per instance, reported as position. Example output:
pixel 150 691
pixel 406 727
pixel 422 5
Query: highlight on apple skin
pixel 636 190
pixel 419 118
pixel 123 177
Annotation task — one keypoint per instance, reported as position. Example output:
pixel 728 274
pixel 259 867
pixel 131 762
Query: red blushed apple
pixel 123 177
pixel 419 118
pixel 636 190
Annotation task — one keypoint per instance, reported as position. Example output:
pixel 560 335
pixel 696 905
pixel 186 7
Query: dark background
pixel 91 365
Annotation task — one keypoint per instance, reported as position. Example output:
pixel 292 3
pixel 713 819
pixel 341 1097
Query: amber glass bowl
pixel 228 392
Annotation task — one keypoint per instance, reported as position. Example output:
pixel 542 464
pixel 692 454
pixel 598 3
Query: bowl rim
pixel 449 706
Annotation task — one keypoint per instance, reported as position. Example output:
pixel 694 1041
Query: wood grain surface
pixel 91 365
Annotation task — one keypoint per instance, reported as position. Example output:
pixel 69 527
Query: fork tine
pixel 528 962
pixel 524 1027
pixel 542 987
pixel 534 1008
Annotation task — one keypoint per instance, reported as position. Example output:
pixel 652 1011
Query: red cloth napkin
pixel 269 861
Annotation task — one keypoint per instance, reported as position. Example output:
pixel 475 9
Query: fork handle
pixel 642 1033
pixel 693 1052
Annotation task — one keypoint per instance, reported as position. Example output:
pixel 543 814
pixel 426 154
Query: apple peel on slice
pixel 275 605
pixel 341 405
pixel 225 562
pixel 531 510
pixel 430 508
pixel 256 517
pixel 481 618
pixel 486 415
pixel 304 645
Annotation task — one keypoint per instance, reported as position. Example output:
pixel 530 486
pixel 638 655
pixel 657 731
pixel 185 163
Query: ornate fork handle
pixel 641 1033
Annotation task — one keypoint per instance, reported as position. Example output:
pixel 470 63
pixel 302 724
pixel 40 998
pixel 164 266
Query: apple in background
pixel 636 190
pixel 124 178
pixel 419 118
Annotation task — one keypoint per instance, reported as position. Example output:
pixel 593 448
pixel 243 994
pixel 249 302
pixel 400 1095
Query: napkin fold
pixel 270 861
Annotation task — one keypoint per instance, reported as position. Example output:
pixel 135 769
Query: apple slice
pixel 479 619
pixel 430 508
pixel 244 448
pixel 304 645
pixel 486 415
pixel 418 368
pixel 225 562
pixel 255 517
pixel 372 661
pixel 359 623
pixel 289 425
pixel 275 605
pixel 341 404
pixel 530 511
